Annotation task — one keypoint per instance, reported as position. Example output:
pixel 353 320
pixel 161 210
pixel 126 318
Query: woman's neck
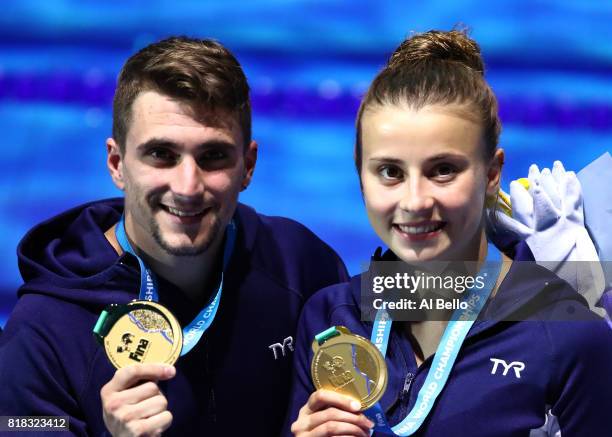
pixel 425 335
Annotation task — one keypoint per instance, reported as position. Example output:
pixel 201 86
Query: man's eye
pixel 162 155
pixel 212 155
pixel 215 159
pixel 390 172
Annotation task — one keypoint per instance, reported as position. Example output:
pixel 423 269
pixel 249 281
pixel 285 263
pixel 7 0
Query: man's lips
pixel 184 212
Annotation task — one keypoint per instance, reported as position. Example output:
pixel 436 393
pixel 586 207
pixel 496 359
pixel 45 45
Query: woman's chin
pixel 427 249
pixel 411 254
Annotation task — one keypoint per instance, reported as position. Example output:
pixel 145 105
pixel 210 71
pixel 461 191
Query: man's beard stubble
pixel 148 205
pixel 184 250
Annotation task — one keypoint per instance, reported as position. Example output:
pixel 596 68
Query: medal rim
pixel 368 346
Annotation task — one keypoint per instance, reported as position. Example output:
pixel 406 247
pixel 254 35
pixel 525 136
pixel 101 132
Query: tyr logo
pixel 287 343
pixel 517 366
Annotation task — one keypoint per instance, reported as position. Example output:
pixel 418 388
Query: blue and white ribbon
pixel 148 285
pixel 450 344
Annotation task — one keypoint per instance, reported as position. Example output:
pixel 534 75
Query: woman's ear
pixel 494 173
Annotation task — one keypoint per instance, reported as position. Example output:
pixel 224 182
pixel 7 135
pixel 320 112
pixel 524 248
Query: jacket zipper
pixel 404 397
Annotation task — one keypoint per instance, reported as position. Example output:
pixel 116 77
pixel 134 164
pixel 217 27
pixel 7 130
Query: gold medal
pixel 139 332
pixel 349 364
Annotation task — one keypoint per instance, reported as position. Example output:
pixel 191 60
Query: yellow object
pixel 146 332
pixel 335 362
pixel 503 199
pixel 524 182
pixel 502 202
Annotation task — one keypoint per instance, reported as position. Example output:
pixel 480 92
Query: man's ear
pixel 250 159
pixel 114 162
pixel 494 173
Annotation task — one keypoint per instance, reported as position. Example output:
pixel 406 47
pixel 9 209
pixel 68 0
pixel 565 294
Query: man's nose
pixel 187 179
pixel 416 196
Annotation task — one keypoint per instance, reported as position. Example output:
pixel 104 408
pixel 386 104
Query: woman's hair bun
pixel 453 46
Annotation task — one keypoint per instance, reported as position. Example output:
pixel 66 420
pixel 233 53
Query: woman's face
pixel 425 181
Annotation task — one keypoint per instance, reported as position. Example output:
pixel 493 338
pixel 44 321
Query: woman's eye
pixel 444 171
pixel 390 172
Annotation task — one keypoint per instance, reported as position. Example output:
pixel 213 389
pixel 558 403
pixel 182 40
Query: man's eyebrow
pixel 217 143
pixel 157 142
pixel 163 142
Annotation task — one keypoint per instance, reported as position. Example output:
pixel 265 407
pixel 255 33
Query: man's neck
pixel 193 275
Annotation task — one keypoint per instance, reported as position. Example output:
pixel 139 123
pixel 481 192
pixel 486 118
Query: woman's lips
pixel 419 231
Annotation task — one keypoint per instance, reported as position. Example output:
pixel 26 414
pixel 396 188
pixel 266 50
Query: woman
pixel 428 161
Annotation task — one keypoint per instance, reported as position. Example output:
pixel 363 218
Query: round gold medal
pixel 140 332
pixel 349 364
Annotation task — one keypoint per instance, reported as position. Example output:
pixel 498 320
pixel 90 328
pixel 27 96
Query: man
pixel 181 151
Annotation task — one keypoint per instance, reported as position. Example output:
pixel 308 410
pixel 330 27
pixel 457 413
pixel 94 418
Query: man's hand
pixel 132 403
pixel 331 414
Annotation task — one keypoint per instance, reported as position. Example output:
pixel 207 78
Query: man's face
pixel 181 172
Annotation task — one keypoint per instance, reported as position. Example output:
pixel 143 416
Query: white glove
pixel 550 218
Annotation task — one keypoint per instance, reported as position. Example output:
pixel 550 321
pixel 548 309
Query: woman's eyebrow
pixel 447 155
pixel 386 160
pixel 438 157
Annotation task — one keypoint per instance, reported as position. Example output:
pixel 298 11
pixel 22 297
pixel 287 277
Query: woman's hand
pixel 331 414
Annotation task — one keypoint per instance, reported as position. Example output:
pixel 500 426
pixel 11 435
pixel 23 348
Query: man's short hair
pixel 199 72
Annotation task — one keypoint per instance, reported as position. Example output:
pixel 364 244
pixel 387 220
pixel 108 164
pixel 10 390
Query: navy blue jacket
pixel 234 381
pixel 567 363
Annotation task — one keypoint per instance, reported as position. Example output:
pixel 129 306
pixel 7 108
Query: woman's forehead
pixel 431 130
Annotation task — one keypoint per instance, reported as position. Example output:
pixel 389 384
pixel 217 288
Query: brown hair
pixel 200 72
pixel 435 68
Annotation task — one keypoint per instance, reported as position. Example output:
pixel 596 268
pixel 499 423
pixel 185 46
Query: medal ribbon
pixel 446 354
pixel 148 285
